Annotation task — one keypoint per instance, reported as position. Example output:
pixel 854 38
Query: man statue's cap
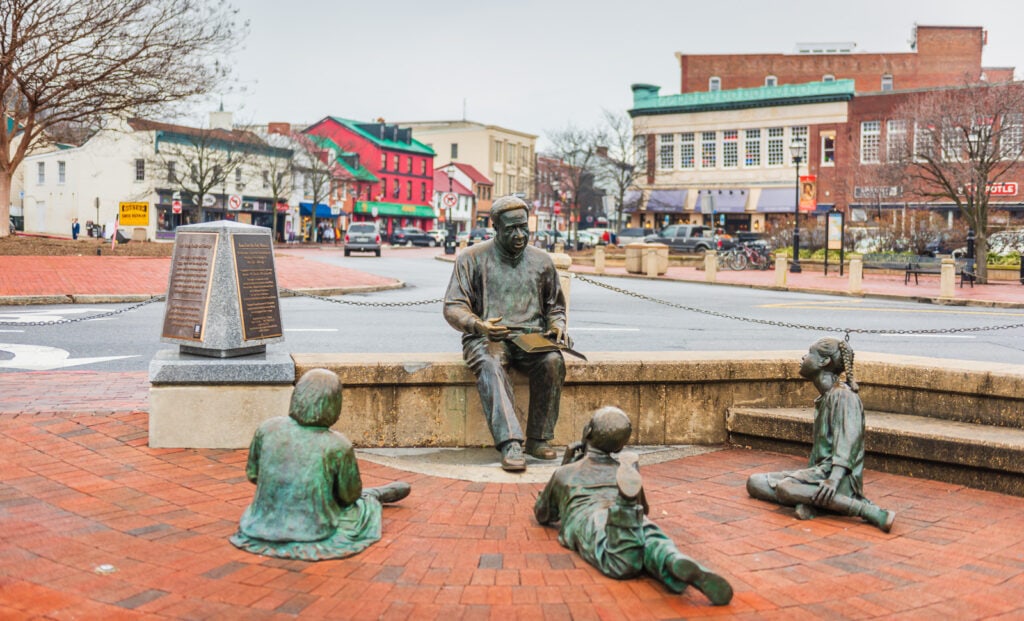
pixel 507 203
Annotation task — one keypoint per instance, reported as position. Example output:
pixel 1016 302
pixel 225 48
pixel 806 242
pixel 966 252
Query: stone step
pixel 981 456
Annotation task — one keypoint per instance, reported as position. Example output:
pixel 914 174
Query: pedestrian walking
pixel 76 228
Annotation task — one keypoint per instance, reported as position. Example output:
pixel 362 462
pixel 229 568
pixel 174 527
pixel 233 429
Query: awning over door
pixel 667 201
pixel 777 200
pixel 725 201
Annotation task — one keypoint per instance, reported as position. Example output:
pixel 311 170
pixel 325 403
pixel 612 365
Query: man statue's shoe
pixel 716 588
pixel 805 512
pixel 878 517
pixel 540 449
pixel 512 459
pixel 392 492
pixel 628 476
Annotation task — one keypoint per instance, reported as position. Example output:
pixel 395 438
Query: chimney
pixel 284 129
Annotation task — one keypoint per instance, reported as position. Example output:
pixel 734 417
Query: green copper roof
pixel 360 173
pixel 647 101
pixel 413 146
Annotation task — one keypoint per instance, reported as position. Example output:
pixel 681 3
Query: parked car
pixel 412 236
pixel 362 237
pixel 633 235
pixel 480 235
pixel 439 235
pixel 462 236
pixel 547 238
pixel 691 238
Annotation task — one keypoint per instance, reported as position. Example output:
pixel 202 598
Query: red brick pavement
pixel 88 275
pixel 81 490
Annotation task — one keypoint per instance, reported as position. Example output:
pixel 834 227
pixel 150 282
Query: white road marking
pixel 574 329
pixel 14 331
pixel 310 329
pixel 30 315
pixel 42 358
pixel 932 336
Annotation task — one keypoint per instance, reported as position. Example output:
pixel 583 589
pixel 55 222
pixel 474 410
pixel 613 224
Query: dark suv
pixel 362 237
pixel 412 236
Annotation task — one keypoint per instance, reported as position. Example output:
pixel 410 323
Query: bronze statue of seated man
pixel 600 503
pixel 833 479
pixel 310 503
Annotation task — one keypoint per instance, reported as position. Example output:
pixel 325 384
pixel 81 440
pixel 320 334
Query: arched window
pixel 715 83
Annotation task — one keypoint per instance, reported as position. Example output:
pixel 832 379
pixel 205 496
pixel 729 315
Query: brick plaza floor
pixel 97 525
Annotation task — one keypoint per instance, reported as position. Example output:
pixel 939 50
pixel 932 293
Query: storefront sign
pixel 133 214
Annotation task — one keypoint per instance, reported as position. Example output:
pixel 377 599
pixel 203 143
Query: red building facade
pixel 403 166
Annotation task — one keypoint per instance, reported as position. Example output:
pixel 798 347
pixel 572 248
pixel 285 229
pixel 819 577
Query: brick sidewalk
pixel 80 491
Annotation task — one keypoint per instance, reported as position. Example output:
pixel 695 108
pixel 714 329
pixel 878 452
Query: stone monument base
pixel 203 402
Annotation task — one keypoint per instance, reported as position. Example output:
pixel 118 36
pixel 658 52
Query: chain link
pixel 365 304
pixel 787 324
pixel 157 298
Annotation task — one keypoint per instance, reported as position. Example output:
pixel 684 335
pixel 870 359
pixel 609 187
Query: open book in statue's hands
pixel 535 343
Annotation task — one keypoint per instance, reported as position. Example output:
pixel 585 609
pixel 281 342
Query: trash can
pixel 449 244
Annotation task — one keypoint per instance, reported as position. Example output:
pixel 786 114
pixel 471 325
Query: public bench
pixel 964 268
pixel 885 261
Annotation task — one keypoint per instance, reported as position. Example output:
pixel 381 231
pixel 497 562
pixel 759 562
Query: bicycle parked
pixel 742 255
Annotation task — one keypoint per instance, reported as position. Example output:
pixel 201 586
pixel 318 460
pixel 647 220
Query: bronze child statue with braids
pixel 833 480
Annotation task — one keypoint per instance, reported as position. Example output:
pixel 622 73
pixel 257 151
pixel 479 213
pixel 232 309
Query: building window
pixel 396 189
pixel 887 84
pixel 497 151
pixel 41 173
pixel 423 192
pixel 172 172
pixel 666 151
pixel 708 149
pixel 953 142
pixel 423 167
pixel 510 157
pixel 1011 138
pixel 640 149
pixel 455 150
pixel 61 172
pixel 924 147
pixel 870 136
pixel 408 190
pixel 687 151
pixel 383 188
pixel 238 178
pixel 408 164
pixel 770 80
pixel 383 161
pixel 140 170
pixel 394 162
pixel 714 83
pixel 828 77
pixel 752 148
pixel 828 149
pixel 799 132
pixel 524 156
pixel 776 146
pixel 266 179
pixel 730 148
pixel 895 140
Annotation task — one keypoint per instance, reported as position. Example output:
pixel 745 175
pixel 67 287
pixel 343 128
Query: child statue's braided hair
pixel 840 356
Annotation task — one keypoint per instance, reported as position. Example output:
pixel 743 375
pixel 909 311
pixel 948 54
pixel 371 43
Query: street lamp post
pixel 796 149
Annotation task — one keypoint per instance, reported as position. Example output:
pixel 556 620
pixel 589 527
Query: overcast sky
pixel 538 65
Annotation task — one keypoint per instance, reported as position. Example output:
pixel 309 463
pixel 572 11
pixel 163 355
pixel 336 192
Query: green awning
pixel 395 209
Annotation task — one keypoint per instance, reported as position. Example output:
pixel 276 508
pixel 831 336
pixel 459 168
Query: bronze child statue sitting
pixel 599 500
pixel 310 503
pixel 833 479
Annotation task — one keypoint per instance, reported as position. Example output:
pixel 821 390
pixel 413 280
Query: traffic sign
pixel 449 199
pixel 176 206
pixel 234 202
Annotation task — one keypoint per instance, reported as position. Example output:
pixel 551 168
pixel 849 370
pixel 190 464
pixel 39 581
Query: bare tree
pixel 578 148
pixel 618 164
pixel 199 162
pixel 277 173
pixel 319 170
pixel 959 143
pixel 72 63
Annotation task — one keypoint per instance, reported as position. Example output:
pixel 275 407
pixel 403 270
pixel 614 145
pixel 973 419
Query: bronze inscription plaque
pixel 257 287
pixel 189 288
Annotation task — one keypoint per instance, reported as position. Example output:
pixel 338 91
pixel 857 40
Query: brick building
pixel 403 167
pixel 939 56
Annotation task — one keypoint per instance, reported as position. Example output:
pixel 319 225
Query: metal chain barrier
pixel 787 324
pixel 157 298
pixel 354 303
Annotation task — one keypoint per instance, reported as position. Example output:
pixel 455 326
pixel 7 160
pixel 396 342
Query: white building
pixel 150 163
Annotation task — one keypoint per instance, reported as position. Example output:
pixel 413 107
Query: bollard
pixel 948 278
pixel 856 275
pixel 562 263
pixel 781 269
pixel 559 247
pixel 99 251
pixel 463 244
pixel 710 265
pixel 599 260
pixel 652 263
